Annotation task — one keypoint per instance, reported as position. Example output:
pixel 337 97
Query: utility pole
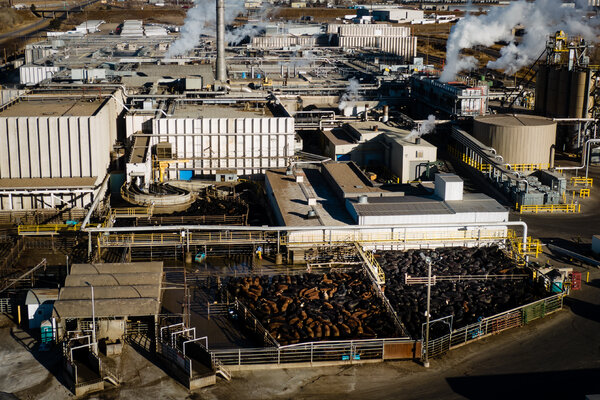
pixel 426 358
pixel 95 347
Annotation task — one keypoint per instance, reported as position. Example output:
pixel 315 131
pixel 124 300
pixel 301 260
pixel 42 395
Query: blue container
pixel 257 76
pixel 243 75
pixel 186 174
pixel 557 287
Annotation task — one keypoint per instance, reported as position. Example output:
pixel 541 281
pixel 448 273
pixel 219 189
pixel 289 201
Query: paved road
pixel 36 26
pixel 41 24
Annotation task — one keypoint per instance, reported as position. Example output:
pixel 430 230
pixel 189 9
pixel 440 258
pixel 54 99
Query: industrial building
pixel 339 195
pixel 56 147
pixel 451 98
pixel 376 143
pixel 298 149
pixel 122 292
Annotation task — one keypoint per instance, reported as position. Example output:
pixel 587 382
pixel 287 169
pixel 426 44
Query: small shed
pixel 226 175
pixel 122 292
pixel 40 303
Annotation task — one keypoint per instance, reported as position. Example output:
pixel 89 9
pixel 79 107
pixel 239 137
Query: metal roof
pixel 106 308
pixel 415 205
pixel 120 290
pixel 39 296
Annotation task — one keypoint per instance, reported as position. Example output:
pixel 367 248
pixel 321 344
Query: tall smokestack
pixel 221 69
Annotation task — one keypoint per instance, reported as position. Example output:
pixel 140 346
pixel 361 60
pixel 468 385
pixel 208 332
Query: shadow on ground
pixel 570 384
pixel 584 309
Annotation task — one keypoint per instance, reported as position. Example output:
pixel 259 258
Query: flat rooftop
pixel 52 107
pixel 183 110
pixel 293 204
pixel 348 178
pixel 417 205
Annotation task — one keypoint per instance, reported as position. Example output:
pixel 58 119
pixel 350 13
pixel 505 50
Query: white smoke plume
pixel 540 18
pixel 351 93
pixel 200 20
pixel 423 129
pixel 251 29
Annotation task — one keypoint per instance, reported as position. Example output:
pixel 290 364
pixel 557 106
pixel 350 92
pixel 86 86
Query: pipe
pixel 103 185
pixel 221 68
pixel 176 228
pixel 585 157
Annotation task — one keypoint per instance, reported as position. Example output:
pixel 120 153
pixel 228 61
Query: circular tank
pixel 519 139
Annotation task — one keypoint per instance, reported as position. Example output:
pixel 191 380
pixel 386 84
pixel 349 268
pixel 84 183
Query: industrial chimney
pixel 221 69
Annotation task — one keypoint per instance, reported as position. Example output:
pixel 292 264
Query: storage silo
pixel 541 84
pixel 578 94
pixel 519 139
pixel 564 88
pixel 552 92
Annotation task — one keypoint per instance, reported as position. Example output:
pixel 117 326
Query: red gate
pixel 576 280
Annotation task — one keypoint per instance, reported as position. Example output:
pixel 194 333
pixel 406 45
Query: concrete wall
pixel 248 145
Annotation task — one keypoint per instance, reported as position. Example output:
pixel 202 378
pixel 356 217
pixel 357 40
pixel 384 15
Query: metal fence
pixel 6 305
pixel 313 352
pixel 497 323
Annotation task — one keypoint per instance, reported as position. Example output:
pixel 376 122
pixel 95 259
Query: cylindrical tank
pixel 541 83
pixel 519 139
pixel 577 95
pixel 562 102
pixel 552 94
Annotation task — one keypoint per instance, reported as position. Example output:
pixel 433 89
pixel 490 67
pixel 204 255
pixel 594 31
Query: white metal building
pixel 342 204
pixel 390 39
pixel 55 148
pixel 212 137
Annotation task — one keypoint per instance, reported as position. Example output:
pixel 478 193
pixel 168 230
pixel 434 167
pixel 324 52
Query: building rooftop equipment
pixel 292 199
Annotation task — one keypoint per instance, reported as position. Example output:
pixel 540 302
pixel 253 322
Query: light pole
pixel 428 261
pixel 93 320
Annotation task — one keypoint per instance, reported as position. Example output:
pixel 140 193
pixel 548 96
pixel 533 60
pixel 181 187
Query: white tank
pixel 519 139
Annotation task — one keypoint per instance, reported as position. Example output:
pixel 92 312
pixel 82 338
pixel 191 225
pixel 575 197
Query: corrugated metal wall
pixel 518 144
pixel 373 30
pixel 32 74
pixel 402 46
pixel 249 145
pixel 277 42
pixel 57 147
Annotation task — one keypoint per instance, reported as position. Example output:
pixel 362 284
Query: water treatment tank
pixel 519 139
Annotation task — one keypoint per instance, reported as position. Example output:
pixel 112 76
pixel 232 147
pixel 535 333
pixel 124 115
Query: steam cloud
pixel 540 18
pixel 426 127
pixel 238 34
pixel 351 93
pixel 200 20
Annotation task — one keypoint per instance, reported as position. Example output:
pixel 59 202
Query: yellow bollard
pixel 587 276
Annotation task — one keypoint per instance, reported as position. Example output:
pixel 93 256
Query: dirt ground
pixel 11 19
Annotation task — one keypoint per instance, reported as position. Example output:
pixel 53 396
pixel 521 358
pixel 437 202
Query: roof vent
pixel 311 214
pixel 363 199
